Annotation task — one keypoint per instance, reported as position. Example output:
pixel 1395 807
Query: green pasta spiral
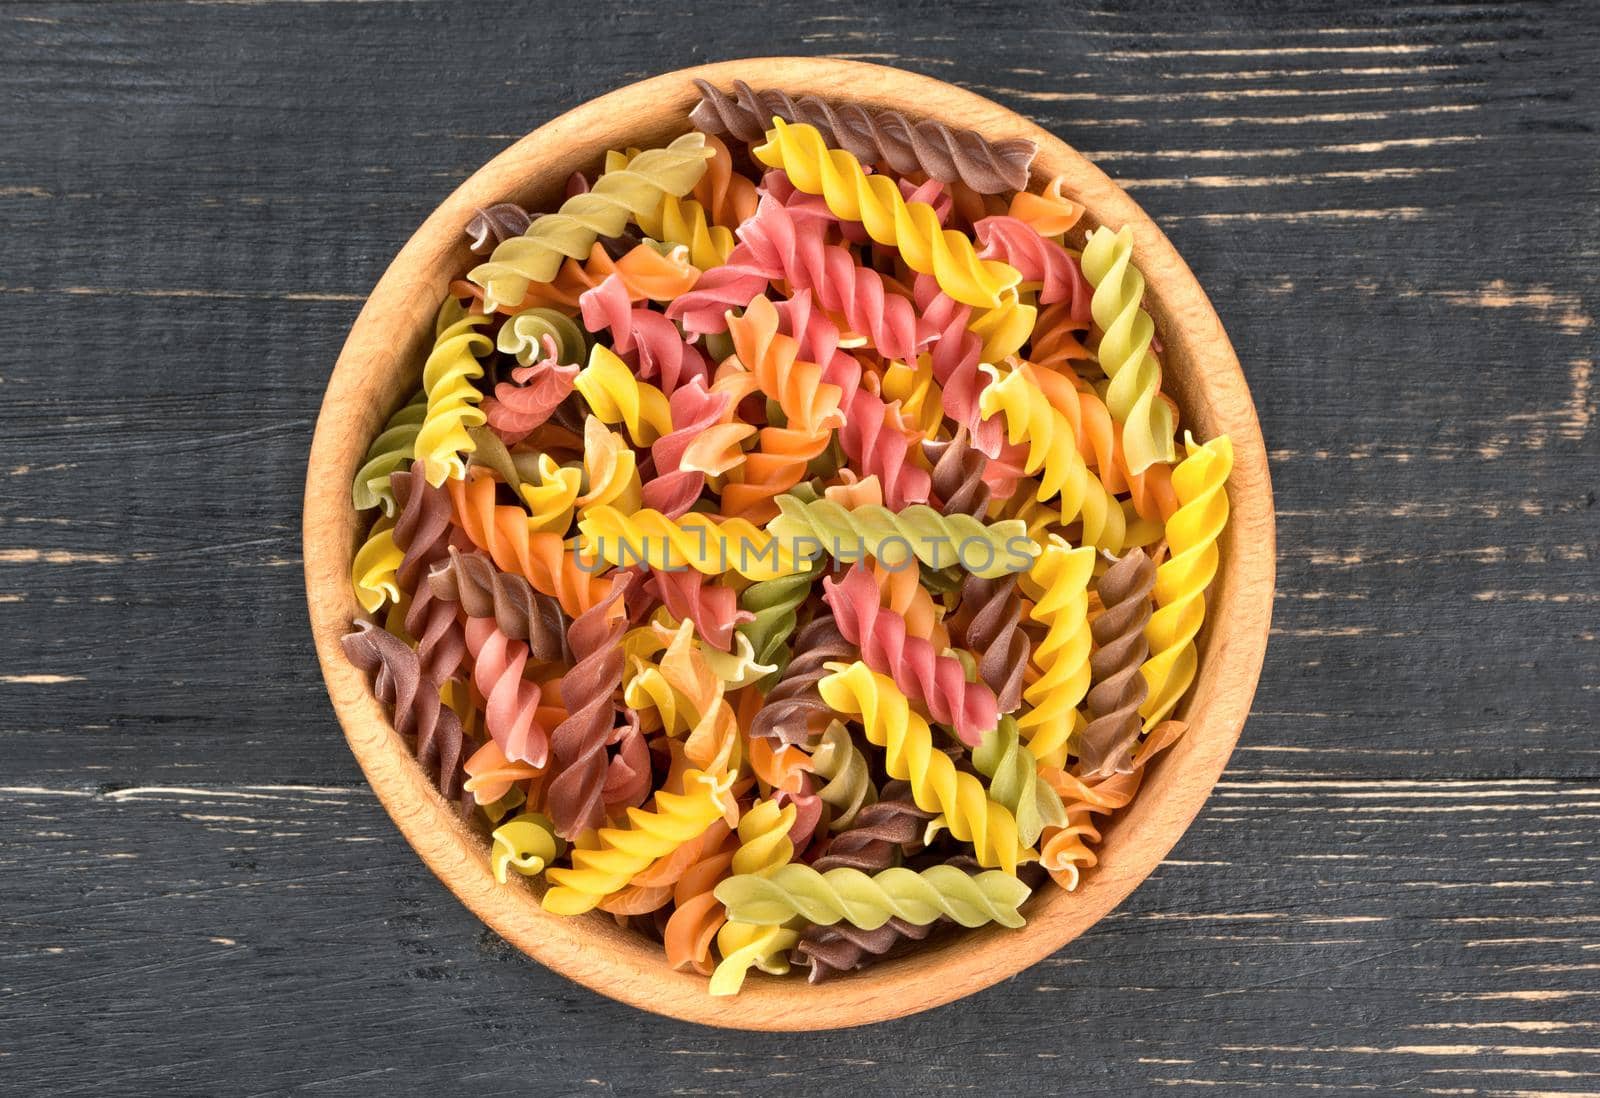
pixel 524 335
pixel 847 895
pixel 775 604
pixel 938 541
pixel 1013 775
pixel 849 787
pixel 616 198
pixel 390 451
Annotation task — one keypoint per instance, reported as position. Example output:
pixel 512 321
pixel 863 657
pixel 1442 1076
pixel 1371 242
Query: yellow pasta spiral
pixel 373 571
pixel 610 470
pixel 1200 483
pixel 685 692
pixel 551 501
pixel 604 210
pixel 623 852
pixel 910 755
pixel 1053 454
pixel 763 846
pixel 1061 579
pixel 616 395
pixel 453 400
pixel 876 202
pixel 526 844
pixel 1006 327
pixel 745 946
pixel 1134 395
pixel 921 400
pixel 708 545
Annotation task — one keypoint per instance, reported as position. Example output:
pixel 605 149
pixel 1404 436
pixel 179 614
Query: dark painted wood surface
pixel 1394 209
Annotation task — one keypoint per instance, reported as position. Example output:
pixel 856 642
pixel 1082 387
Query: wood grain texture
pixel 1391 207
pixel 381 362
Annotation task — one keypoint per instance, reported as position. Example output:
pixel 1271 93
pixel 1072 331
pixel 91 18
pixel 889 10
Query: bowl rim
pixel 385 344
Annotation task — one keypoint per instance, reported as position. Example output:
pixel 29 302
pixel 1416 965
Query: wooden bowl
pixel 380 367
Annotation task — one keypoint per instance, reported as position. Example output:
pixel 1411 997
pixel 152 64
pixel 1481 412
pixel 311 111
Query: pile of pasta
pixel 790 549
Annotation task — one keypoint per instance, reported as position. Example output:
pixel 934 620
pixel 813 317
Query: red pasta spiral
pixel 714 609
pixel 643 337
pixel 628 778
pixel 955 356
pixel 672 489
pixel 938 682
pixel 1039 259
pixel 511 702
pixel 878 446
pixel 535 391
pixel 788 242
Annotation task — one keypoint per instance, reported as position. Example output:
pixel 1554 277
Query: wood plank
pixel 1390 204
pixel 1435 934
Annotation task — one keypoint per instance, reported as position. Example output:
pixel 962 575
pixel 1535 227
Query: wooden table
pixel 1392 891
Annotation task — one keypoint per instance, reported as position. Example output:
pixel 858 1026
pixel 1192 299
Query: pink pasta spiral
pixel 819 342
pixel 575 795
pixel 672 489
pixel 788 242
pixel 645 338
pixel 878 446
pixel 1039 259
pixel 628 776
pixel 874 444
pixel 418 711
pixel 955 356
pixel 511 702
pixel 808 813
pixel 535 391
pixel 714 609
pixel 938 682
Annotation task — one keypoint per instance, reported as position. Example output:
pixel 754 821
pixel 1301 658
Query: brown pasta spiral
pixel 794 712
pixel 874 840
pixel 988 621
pixel 418 711
pixel 1120 650
pixel 433 623
pixel 574 795
pixel 519 611
pixel 488 227
pixel 958 485
pixel 829 950
pixel 422 525
pixel 871 136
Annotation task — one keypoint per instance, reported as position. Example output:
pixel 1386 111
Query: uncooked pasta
pixel 790 551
